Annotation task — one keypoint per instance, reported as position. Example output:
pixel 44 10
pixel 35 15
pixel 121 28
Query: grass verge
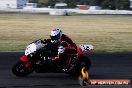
pixel 106 32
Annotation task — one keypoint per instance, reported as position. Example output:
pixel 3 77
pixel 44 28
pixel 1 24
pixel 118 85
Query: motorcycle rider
pixel 64 47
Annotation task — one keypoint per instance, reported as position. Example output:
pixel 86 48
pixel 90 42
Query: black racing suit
pixel 65 50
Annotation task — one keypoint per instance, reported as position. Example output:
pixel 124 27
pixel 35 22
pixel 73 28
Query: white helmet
pixel 56 35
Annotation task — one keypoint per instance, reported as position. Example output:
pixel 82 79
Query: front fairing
pixel 30 49
pixel 33 47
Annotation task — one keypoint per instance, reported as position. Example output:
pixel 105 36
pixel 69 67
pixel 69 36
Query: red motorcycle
pixel 38 58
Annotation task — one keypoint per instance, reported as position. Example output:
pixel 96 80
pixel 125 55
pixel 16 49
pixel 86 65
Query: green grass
pixel 106 33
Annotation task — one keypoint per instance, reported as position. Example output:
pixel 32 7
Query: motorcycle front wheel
pixel 22 69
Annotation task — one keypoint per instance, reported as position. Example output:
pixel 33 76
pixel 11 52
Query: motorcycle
pixel 38 58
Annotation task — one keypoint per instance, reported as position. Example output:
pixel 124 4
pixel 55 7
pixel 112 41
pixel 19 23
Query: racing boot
pixel 70 63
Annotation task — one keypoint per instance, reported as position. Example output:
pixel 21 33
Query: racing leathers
pixel 66 51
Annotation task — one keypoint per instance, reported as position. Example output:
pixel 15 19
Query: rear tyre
pixel 20 69
pixel 83 61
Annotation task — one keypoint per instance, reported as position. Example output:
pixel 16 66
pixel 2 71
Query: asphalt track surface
pixel 104 66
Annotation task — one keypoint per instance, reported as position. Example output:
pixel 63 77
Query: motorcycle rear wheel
pixel 83 61
pixel 20 70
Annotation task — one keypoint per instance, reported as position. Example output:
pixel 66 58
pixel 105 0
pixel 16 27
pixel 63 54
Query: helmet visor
pixel 54 37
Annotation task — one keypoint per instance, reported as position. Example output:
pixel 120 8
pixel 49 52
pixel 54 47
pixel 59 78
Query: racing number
pixel 84 47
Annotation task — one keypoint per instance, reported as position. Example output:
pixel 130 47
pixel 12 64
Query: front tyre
pixel 22 69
